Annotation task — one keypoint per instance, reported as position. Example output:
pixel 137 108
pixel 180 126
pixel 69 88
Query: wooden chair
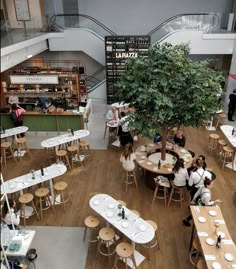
pixel 124 251
pixel 195 249
pixel 61 190
pixel 163 186
pixel 220 119
pixel 84 148
pixel 62 156
pixel 180 191
pixel 227 156
pixel 127 178
pixel 219 149
pixel 22 145
pixel 7 147
pixel 91 224
pixel 212 141
pixel 74 155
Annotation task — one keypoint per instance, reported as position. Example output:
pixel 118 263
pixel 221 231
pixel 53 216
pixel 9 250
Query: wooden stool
pixel 227 156
pixel 180 191
pixel 106 237
pixel 125 250
pixel 22 145
pixel 62 155
pixel 122 203
pixel 74 155
pixel 212 141
pixel 43 193
pixel 195 249
pixel 84 147
pixel 129 174
pixel 136 212
pixel 154 241
pixel 161 185
pixel 7 146
pixel 220 120
pixel 24 200
pixel 91 223
pixel 61 189
pixel 201 264
pixel 220 144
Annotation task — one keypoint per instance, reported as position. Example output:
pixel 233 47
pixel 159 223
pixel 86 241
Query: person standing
pixel 232 105
pixel 9 216
pixel 125 136
pixel 16 116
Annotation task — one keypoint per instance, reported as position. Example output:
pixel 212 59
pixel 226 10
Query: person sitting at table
pixel 180 173
pixel 197 177
pixel 202 197
pixel 125 136
pixel 10 217
pixel 157 138
pixel 179 139
pixel 204 164
pixel 128 157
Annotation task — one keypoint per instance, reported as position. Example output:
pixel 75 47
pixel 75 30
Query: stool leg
pixel 63 200
pixel 4 157
pixel 41 208
pixel 126 183
pixel 69 197
pixel 12 154
pixel 135 179
pixel 115 262
pixel 85 232
pixel 67 161
pixel 35 210
pixel 23 209
pixel 49 201
pixel 27 149
pixel 155 193
pixel 171 194
pixel 133 260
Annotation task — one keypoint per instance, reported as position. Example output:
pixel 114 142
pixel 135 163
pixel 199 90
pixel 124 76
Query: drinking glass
pixel 120 210
pixel 216 224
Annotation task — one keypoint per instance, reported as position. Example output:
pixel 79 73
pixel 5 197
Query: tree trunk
pixel 163 142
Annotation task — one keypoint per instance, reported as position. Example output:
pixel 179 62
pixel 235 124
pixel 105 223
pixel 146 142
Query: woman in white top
pixel 10 217
pixel 127 158
pixel 181 174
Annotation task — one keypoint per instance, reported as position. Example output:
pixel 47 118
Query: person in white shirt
pixel 10 217
pixel 181 174
pixel 128 157
pixel 124 133
pixel 197 178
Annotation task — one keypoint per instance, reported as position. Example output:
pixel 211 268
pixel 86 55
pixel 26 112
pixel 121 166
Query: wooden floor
pixel 103 173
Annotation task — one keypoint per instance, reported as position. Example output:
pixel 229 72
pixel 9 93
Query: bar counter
pixel 50 122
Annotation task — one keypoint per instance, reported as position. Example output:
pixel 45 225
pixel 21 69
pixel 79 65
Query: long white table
pixel 227 131
pixel 25 181
pixel 133 227
pixel 14 131
pixel 65 138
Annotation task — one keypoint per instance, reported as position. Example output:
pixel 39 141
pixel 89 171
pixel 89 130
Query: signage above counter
pixel 35 79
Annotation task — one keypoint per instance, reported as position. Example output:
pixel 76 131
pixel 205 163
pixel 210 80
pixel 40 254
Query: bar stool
pixel 212 141
pixel 122 203
pixel 84 147
pixel 22 145
pixel 195 249
pixel 106 238
pixel 24 200
pixel 43 195
pixel 124 251
pixel 179 191
pixel 61 190
pixel 162 185
pixel 227 155
pixel 220 144
pixel 154 241
pixel 220 120
pixel 62 155
pixel 7 146
pixel 74 155
pixel 128 180
pixel 201 264
pixel 136 212
pixel 91 223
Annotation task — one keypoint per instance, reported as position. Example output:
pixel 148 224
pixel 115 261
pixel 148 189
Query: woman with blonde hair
pixel 128 157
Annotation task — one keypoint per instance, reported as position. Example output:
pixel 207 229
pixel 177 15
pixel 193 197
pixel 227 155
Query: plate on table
pixel 109 214
pixel 143 157
pixel 12 186
pixel 111 206
pixel 149 163
pixel 125 224
pixel 143 149
pixel 96 202
pixel 210 241
pixel 19 180
pixel 183 150
pixel 222 234
pixel 202 219
pixel 142 228
pixel 216 265
pixel 229 257
pixel 28 180
pixel 212 213
pixel 151 145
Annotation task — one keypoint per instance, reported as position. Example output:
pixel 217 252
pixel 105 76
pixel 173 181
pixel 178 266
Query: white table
pixel 227 131
pixel 133 227
pixel 14 131
pixel 25 181
pixel 28 237
pixel 65 138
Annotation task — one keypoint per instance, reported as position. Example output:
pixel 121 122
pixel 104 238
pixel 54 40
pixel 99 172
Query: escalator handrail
pixel 85 16
pixel 178 16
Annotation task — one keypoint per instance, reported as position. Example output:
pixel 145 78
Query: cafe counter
pixel 51 122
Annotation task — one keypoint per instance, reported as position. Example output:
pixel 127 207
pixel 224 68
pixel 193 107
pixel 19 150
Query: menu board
pixel 22 10
pixel 118 49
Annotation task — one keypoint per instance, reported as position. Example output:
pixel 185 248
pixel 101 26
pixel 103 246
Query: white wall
pixel 35 14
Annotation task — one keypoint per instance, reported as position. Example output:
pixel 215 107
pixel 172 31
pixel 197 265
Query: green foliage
pixel 167 88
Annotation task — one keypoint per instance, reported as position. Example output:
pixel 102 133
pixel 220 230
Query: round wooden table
pixel 149 155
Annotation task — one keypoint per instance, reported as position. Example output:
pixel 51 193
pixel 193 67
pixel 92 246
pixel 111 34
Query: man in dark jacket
pixel 232 105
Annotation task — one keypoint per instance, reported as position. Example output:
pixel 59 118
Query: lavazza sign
pixel 126 54
pixel 36 79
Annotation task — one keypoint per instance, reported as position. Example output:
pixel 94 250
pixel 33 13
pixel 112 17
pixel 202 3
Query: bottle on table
pixel 123 213
pixel 218 241
pixel 42 172
pixel 159 164
pixel 72 132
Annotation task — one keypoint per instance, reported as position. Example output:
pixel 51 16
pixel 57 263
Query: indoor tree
pixel 168 89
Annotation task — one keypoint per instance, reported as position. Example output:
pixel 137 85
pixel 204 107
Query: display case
pixel 118 49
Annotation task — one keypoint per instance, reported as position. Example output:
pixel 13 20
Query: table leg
pixel 191 239
pixel 51 189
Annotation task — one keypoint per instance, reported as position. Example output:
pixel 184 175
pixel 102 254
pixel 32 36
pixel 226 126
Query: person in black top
pixel 157 138
pixel 179 139
pixel 232 105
